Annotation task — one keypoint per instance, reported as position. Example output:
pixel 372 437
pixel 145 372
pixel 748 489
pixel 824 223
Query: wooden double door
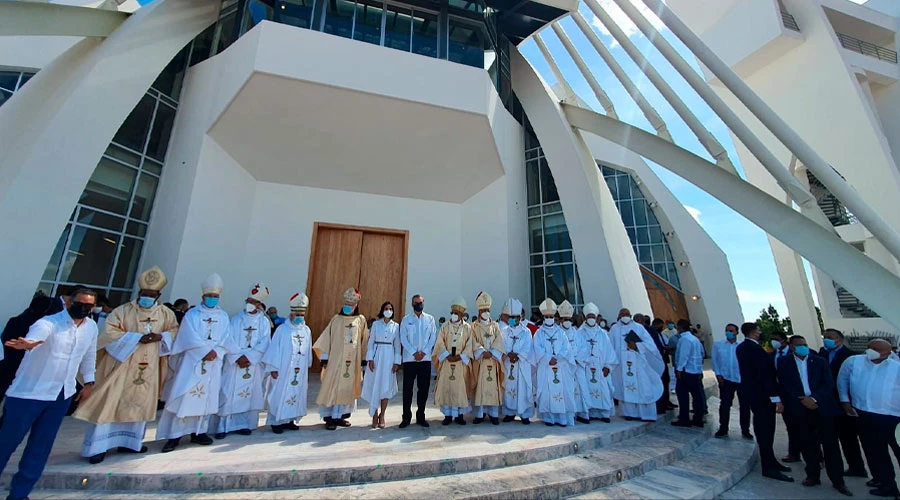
pixel 372 260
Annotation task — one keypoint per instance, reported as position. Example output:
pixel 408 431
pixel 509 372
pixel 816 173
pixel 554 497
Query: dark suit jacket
pixel 821 386
pixel 840 356
pixel 757 373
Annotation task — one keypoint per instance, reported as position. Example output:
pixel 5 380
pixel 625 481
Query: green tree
pixel 770 322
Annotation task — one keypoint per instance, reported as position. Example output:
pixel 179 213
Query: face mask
pixel 829 344
pixel 671 326
pixel 80 311
pixel 512 322
pixel 273 315
pixel 146 302
pixel 872 354
pixel 626 319
pixel 210 302
pixel 591 321
pixel 454 318
pixel 776 345
pixel 548 321
pixel 388 313
pixel 347 309
pixel 419 307
pixel 97 310
pixel 801 350
pixel 603 324
pixel 730 335
pixel 485 316
pixel 250 308
pixel 567 324
pixel 298 320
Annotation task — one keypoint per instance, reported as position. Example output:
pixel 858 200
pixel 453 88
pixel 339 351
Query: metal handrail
pixel 788 20
pixel 866 48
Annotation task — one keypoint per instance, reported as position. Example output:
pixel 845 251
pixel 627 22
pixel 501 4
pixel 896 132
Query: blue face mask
pixel 829 344
pixel 730 335
pixel 146 302
pixel 512 321
pixel 298 320
pixel 671 326
pixel 210 302
pixel 801 350
pixel 347 309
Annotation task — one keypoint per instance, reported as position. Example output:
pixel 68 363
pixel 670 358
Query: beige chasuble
pixel 344 342
pixel 454 381
pixel 129 391
pixel 488 373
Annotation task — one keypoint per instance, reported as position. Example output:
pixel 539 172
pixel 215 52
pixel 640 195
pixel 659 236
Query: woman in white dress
pixel 383 355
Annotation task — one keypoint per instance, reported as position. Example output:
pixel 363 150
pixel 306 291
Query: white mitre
pixel 299 302
pixel 259 292
pixel 591 308
pixel 213 284
pixel 566 310
pixel 547 307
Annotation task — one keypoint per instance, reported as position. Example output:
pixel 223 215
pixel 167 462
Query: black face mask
pixel 419 307
pixel 80 310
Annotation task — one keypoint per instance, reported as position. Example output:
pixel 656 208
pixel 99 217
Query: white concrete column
pixel 607 266
pixel 57 127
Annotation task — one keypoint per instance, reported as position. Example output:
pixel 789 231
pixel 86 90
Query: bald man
pixel 869 386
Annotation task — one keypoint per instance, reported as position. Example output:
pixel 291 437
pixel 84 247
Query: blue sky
pixel 744 244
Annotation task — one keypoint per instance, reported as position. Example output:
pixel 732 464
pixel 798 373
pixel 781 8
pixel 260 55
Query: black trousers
pixel 690 386
pixel 876 433
pixel 764 428
pixel 727 392
pixel 816 436
pixel 662 404
pixel 790 424
pixel 848 434
pixel 416 373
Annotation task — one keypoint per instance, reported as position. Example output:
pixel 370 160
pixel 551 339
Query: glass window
pixel 552 208
pixel 651 217
pixel 109 187
pixel 559 257
pixel 169 81
pixel 133 132
pixel 537 284
pixel 660 270
pixel 627 212
pixel 162 132
pixel 4 96
pixel 425 34
pixel 53 264
pixel 294 12
pixel 202 45
pixel 631 236
pixel 367 26
pixel 126 267
pixel 226 32
pixel 25 78
pixel 623 188
pixel 9 80
pixel 136 228
pixel 99 219
pixel 466 44
pixel 118 297
pixel 640 213
pixel 143 197
pixel 658 254
pixel 339 18
pixel 534 228
pixel 90 256
pixel 556 234
pixel 534 211
pixel 561 282
pixel 656 235
pixel 537 260
pixel 643 254
pixel 257 12
pixel 123 155
pixel 548 186
pixel 643 235
pixel 397 28
pixel 533 183
pixel 152 166
pixel 470 5
pixel 611 183
pixel 46 288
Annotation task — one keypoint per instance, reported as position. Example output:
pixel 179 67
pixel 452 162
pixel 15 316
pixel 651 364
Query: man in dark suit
pixel 782 350
pixel 664 404
pixel 835 352
pixel 761 393
pixel 807 390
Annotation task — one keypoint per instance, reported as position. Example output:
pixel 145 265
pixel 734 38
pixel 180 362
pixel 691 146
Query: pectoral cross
pixel 487 340
pixel 299 344
pixel 592 342
pixel 249 331
pixel 552 341
pixel 209 323
pixel 350 334
pixel 146 323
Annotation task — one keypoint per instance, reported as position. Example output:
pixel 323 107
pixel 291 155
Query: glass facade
pixel 11 81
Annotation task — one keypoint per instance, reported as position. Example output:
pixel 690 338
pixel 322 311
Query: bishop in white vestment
pixel 192 395
pixel 242 396
pixel 287 360
pixel 634 367
pixel 555 391
pixel 518 396
pixel 566 311
pixel 595 360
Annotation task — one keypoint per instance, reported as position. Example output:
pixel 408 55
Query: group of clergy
pixel 215 374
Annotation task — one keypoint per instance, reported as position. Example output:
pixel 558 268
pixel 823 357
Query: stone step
pixel 579 473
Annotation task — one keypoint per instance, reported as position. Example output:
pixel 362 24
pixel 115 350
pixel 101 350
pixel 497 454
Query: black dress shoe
pixel 460 420
pixel 842 489
pixel 478 421
pixel 548 424
pixel 331 425
pixel 96 459
pixel 873 483
pixel 526 421
pixel 631 419
pixel 495 421
pixel 747 435
pixel 277 429
pixel 811 482
pixel 855 473
pixel 582 420
pixel 782 468
pixel 122 449
pixel 605 420
pixel 559 424
pixel 244 432
pixel 290 426
pixel 721 433
pixel 679 423
pixel 447 421
pixel 509 418
pixel 219 435
pixel 790 459
pixel 778 476
pixel 885 492
pixel 404 424
pixel 201 439
pixel 422 422
pixel 171 445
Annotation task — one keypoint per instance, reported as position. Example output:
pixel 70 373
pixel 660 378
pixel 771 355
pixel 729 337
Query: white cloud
pixel 695 213
pixel 754 301
pixel 622 20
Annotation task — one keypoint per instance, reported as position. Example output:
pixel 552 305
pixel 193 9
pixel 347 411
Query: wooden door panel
pixel 382 273
pixel 334 267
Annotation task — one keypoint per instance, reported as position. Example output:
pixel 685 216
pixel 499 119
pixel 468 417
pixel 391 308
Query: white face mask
pixel 567 324
pixel 873 355
pixel 603 324
pixel 97 310
pixel 591 322
pixel 776 345
pixel 454 318
pixel 388 313
pixel 250 308
pixel 626 319
pixel 548 321
pixel 486 316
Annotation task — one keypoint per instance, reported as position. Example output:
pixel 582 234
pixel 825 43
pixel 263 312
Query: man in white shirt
pixel 869 386
pixel 728 375
pixel 689 377
pixel 59 347
pixel 417 336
